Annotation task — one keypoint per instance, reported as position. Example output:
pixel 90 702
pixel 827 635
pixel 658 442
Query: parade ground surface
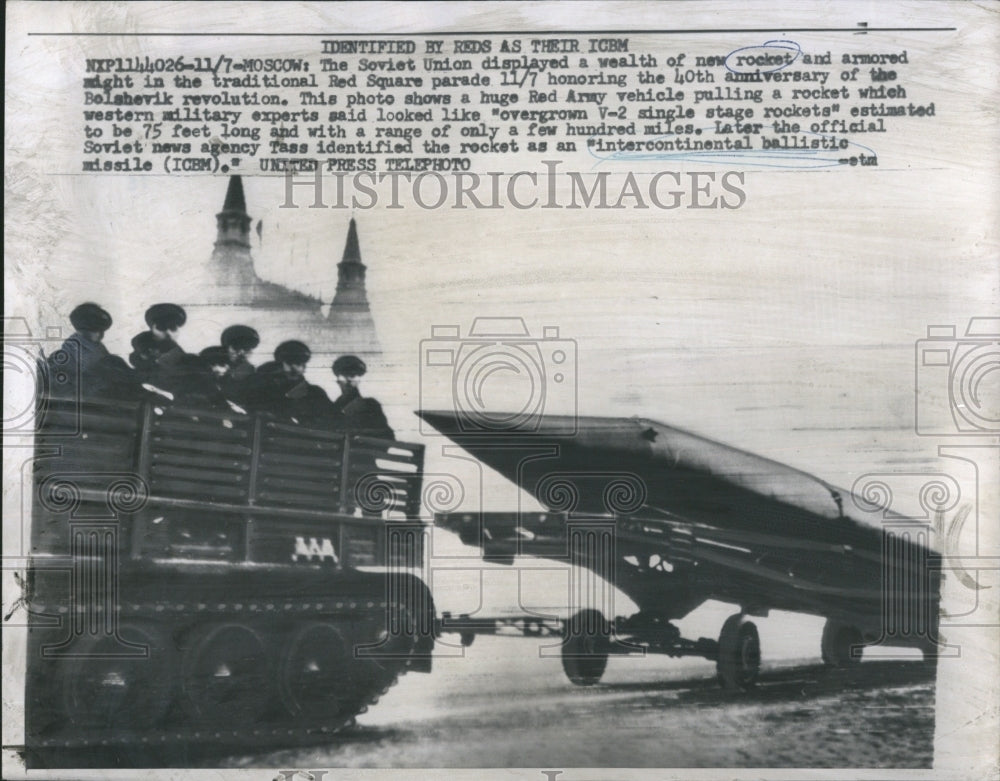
pixel 504 705
pixel 493 709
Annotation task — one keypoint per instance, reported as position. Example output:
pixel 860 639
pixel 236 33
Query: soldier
pixel 164 321
pixel 198 379
pixel 159 354
pixel 217 360
pixel 280 387
pixel 83 366
pixel 144 354
pixel 238 342
pixel 352 411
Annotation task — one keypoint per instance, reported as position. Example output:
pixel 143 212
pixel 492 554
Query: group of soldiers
pixel 219 377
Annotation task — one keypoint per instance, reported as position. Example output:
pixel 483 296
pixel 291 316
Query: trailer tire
pixel 738 664
pixel 586 643
pixel 838 640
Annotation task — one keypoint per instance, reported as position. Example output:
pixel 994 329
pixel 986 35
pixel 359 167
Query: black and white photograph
pixel 542 390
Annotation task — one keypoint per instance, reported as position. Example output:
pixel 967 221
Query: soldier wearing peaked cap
pixel 240 337
pixel 83 367
pixel 349 366
pixel 198 379
pixel 216 359
pixel 280 387
pixel 90 319
pixel 160 348
pixel 352 411
pixel 238 342
pixel 144 354
pixel 164 321
pixel 294 354
pixel 165 317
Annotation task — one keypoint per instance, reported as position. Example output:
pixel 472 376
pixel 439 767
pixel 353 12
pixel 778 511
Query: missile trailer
pixel 672 520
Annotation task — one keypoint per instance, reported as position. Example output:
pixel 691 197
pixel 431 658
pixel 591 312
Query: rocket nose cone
pixel 444 421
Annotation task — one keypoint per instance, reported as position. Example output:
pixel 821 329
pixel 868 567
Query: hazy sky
pixel 791 318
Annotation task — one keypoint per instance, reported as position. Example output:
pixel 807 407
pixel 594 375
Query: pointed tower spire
pixel 235 202
pixel 231 274
pixel 351 274
pixel 352 251
pixel 233 222
pixel 349 312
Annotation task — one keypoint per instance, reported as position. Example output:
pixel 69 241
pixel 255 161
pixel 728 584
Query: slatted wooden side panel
pixel 84 467
pixel 87 438
pixel 199 455
pixel 298 467
pixel 385 476
pixel 234 460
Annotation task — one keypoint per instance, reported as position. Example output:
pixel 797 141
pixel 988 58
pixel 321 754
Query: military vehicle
pixel 210 577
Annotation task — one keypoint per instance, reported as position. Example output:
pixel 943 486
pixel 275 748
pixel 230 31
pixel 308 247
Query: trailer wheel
pixel 838 640
pixel 226 676
pixel 586 642
pixel 738 664
pixel 109 684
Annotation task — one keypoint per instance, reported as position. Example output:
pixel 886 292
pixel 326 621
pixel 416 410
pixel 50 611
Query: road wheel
pixel 127 685
pixel 226 675
pixel 586 642
pixel 838 641
pixel 318 675
pixel 738 664
pixel 389 643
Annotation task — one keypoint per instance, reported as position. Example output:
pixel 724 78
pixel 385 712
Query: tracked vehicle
pixel 207 577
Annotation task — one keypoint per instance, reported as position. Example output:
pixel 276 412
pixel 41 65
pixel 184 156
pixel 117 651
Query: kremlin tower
pixel 231 263
pixel 237 295
pixel 349 313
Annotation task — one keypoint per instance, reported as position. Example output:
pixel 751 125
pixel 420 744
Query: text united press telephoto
pixel 547 391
